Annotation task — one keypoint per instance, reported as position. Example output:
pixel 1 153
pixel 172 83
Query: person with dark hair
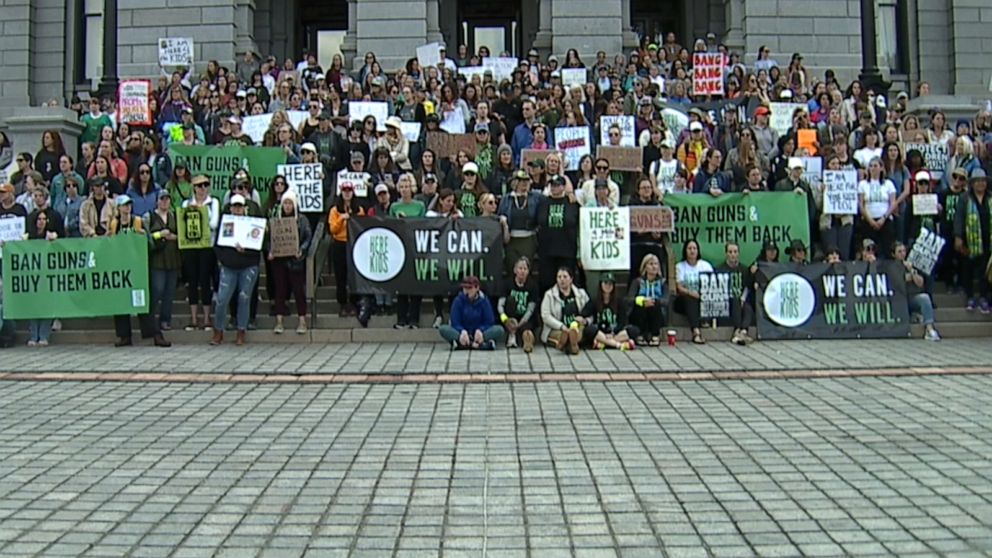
pixel 47 160
pixel 557 235
pixel 741 293
pixel 473 325
pixel 605 323
pixel 973 239
pixel 560 309
pixel 687 287
pixel 709 178
pixel 516 307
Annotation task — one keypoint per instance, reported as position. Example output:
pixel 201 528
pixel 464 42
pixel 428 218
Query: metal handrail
pixel 316 258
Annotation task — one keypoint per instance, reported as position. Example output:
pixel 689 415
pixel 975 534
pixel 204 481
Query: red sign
pixel 133 107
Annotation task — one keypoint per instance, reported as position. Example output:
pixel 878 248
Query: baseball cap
pixel 163 193
pixel 521 175
pixel 868 244
pixel 187 110
pixel 470 281
pixel 122 199
pixel 199 179
pixel 394 122
pixel 357 156
pixel 785 94
pixel 695 127
pixel 922 176
pixel 608 277
pixel 668 143
pixel 557 180
pixel 380 188
pixel 308 147
pixel 977 174
pixel 480 127
pixel 959 171
pixel 762 111
pixel 470 167
pixel 237 199
pixel 532 52
pixel 644 102
pixel 539 163
pixel 252 91
pixel 377 81
pixel 241 93
pixel 796 162
pixel 430 177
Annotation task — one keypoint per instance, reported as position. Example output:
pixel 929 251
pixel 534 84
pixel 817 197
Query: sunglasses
pixel 469 173
pixel 602 167
pixel 201 185
pixel 144 172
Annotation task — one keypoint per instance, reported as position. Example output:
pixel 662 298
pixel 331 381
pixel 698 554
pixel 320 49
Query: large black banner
pixel 423 256
pixel 845 300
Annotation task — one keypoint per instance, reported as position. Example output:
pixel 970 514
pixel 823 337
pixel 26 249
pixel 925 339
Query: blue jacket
pixel 143 203
pixel 471 315
pixel 522 139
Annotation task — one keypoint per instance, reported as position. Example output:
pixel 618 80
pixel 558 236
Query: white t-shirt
pixel 664 173
pixel 688 275
pixel 865 155
pixel 876 196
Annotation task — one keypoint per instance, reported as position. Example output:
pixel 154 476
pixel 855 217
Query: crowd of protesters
pixel 123 181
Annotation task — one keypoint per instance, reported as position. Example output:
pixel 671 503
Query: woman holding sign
pixel 289 272
pixel 687 287
pixel 165 260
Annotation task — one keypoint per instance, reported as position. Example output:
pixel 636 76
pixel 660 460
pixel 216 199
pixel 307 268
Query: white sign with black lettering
pixel 359 182
pixel 175 52
pixel 308 183
pixel 926 250
pixel 840 194
pixel 925 204
pixel 714 295
pixel 626 124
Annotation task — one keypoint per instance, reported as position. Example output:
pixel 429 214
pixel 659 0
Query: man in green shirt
pixel 406 206
pixel 93 122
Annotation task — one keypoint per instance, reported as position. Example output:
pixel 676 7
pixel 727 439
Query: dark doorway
pixel 654 18
pixel 491 23
pixel 315 17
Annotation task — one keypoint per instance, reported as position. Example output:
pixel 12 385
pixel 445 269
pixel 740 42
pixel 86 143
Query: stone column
pixel 349 45
pixel 587 27
pixel 393 29
pixel 630 39
pixel 244 23
pixel 734 39
pixel 434 26
pixel 26 124
pixel 542 41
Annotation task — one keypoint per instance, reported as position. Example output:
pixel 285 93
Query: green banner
pixel 76 277
pixel 194 228
pixel 220 163
pixel 749 220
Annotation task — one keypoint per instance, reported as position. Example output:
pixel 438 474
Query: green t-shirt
pixel 415 208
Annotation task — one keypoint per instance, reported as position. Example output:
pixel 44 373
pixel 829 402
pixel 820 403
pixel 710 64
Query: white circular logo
pixel 379 254
pixel 789 300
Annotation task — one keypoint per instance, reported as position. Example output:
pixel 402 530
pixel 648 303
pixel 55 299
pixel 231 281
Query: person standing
pixel 290 272
pixel 165 260
pixel 973 239
pixel 238 275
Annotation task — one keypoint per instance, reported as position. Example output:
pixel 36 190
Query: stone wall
pixel 972 43
pixel 587 26
pixel 393 29
pixel 15 52
pixel 48 59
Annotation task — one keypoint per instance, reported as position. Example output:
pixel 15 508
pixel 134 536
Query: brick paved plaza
pixel 865 466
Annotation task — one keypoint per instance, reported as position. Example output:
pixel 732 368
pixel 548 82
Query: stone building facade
pixel 48 47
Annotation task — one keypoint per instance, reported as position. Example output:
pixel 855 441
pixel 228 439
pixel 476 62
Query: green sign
pixel 749 220
pixel 76 277
pixel 220 163
pixel 194 228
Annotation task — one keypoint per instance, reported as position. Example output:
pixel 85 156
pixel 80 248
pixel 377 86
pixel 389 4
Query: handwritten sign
pixel 358 110
pixel 502 68
pixel 935 157
pixel 470 72
pixel 175 52
pixel 446 145
pixel 813 171
pixel 626 124
pixel 926 250
pixel 308 183
pixel 652 219
pixel 622 158
pixel 359 181
pixel 11 230
pixel 604 237
pixel 573 76
pixel 780 119
pixel 194 228
pixel 573 143
pixel 840 196
pixel 411 130
pixel 707 73
pixel 284 237
pixel 925 204
pixel 132 102
pixel 235 230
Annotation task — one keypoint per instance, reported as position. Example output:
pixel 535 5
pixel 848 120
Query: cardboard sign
pixel 573 144
pixel 780 119
pixel 358 110
pixel 573 76
pixel 925 204
pixel 446 145
pixel 359 181
pixel 604 237
pixel 235 230
pixel 502 68
pixel 840 196
pixel 284 237
pixel 308 183
pixel 651 219
pixel 132 102
pixel 935 157
pixel 926 250
pixel 528 155
pixel 714 295
pixel 622 158
pixel 707 73
pixel 175 52
pixel 194 228
pixel 626 124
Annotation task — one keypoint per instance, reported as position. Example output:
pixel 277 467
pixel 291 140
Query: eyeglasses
pixel 144 171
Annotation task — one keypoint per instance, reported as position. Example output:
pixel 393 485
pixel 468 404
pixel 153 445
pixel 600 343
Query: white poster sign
pixel 604 235
pixel 813 173
pixel 358 110
pixel 626 124
pixel 780 119
pixel 235 230
pixel 573 142
pixel 255 126
pixel 925 204
pixel 175 52
pixel 502 67
pixel 573 76
pixel 429 55
pixel 307 181
pixel 411 130
pixel 840 194
pixel 359 181
pixel 926 250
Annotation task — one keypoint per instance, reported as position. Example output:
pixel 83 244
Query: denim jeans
pixel 921 303
pixel 163 291
pixel 39 330
pixel 494 333
pixel 240 281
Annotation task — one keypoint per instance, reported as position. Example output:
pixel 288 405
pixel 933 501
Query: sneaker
pixel 740 338
pixel 932 335
pixel 413 326
pixel 736 339
pixel 399 325
pixel 301 329
pixel 511 342
pixel 191 327
pixel 983 306
pixel 57 325
pixel 488 346
pixel 438 321
pixel 32 343
pixel 278 329
pixel 528 341
pixel 42 343
pixel 971 305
